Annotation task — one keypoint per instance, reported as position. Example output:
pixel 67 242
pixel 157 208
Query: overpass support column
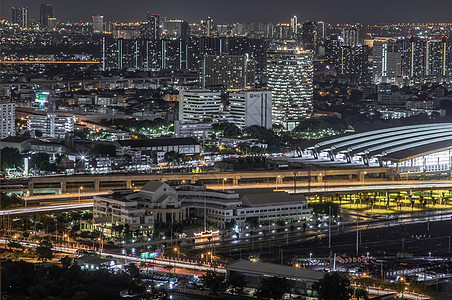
pixel 350 177
pixel 361 176
pixel 194 179
pixel 30 188
pixel 129 183
pixel 235 180
pixel 97 185
pixel 63 187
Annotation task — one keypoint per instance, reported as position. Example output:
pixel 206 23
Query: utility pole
pixel 329 226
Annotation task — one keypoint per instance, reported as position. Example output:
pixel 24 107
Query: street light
pixel 80 189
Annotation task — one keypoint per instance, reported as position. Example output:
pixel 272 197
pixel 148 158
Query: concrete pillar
pixel 319 178
pixel 235 180
pixel 30 188
pixel 129 183
pixel 97 185
pixel 350 177
pixel 63 187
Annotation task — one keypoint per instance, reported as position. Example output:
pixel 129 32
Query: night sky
pixel 223 11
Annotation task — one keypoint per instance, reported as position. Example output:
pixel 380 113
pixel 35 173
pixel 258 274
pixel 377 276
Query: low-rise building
pixel 301 281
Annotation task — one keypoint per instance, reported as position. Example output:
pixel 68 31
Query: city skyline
pixel 250 11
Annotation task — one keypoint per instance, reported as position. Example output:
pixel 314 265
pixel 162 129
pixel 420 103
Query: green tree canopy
pixel 334 286
pixel 273 288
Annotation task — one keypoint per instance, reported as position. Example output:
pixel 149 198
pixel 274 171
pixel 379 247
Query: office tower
pixel 98 24
pixel 354 62
pixel 350 36
pixel 45 12
pixel 235 72
pixel 208 28
pixel 387 62
pixel 199 105
pixel 249 108
pixel 7 120
pixel 150 29
pixel 20 16
pixel 309 36
pixel 50 125
pixel 290 78
pixel 333 46
pixel 294 25
pixel 174 29
pixel 321 31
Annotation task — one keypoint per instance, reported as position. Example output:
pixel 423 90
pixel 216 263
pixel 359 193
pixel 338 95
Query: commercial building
pixel 309 36
pixel 199 105
pixel 251 108
pixel 235 72
pixel 301 281
pixel 208 28
pixel 50 125
pixel 7 120
pixel 290 79
pixel 151 28
pixel 98 24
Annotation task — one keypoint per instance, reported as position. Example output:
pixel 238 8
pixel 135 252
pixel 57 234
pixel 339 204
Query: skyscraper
pixel 294 25
pixel 290 78
pixel 20 16
pixel 350 35
pixel 208 28
pixel 98 24
pixel 151 28
pixel 387 62
pixel 309 36
pixel 235 72
pixel 45 12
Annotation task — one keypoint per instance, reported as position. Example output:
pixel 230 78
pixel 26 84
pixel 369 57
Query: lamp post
pixel 80 189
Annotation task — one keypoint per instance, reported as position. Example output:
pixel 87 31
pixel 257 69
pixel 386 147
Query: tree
pixel 214 281
pixel 252 222
pixel 133 270
pixel 334 286
pixel 360 294
pixel 41 161
pixel 236 282
pixel 11 157
pixel 66 261
pixel 44 251
pixel 273 288
pixel 172 157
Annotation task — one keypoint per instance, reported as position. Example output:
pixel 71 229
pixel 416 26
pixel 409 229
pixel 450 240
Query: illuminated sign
pixel 146 255
pixel 41 97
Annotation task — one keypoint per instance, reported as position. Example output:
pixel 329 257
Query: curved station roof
pixel 395 144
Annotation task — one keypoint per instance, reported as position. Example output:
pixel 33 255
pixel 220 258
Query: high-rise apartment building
pixel 290 79
pixel 235 72
pixel 350 35
pixel 174 29
pixel 208 28
pixel 249 108
pixel 45 12
pixel 7 120
pixel 98 24
pixel 19 16
pixel 199 105
pixel 387 62
pixel 50 125
pixel 151 28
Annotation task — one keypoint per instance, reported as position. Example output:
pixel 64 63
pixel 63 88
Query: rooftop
pixel 261 268
pixel 265 196
pixel 158 142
